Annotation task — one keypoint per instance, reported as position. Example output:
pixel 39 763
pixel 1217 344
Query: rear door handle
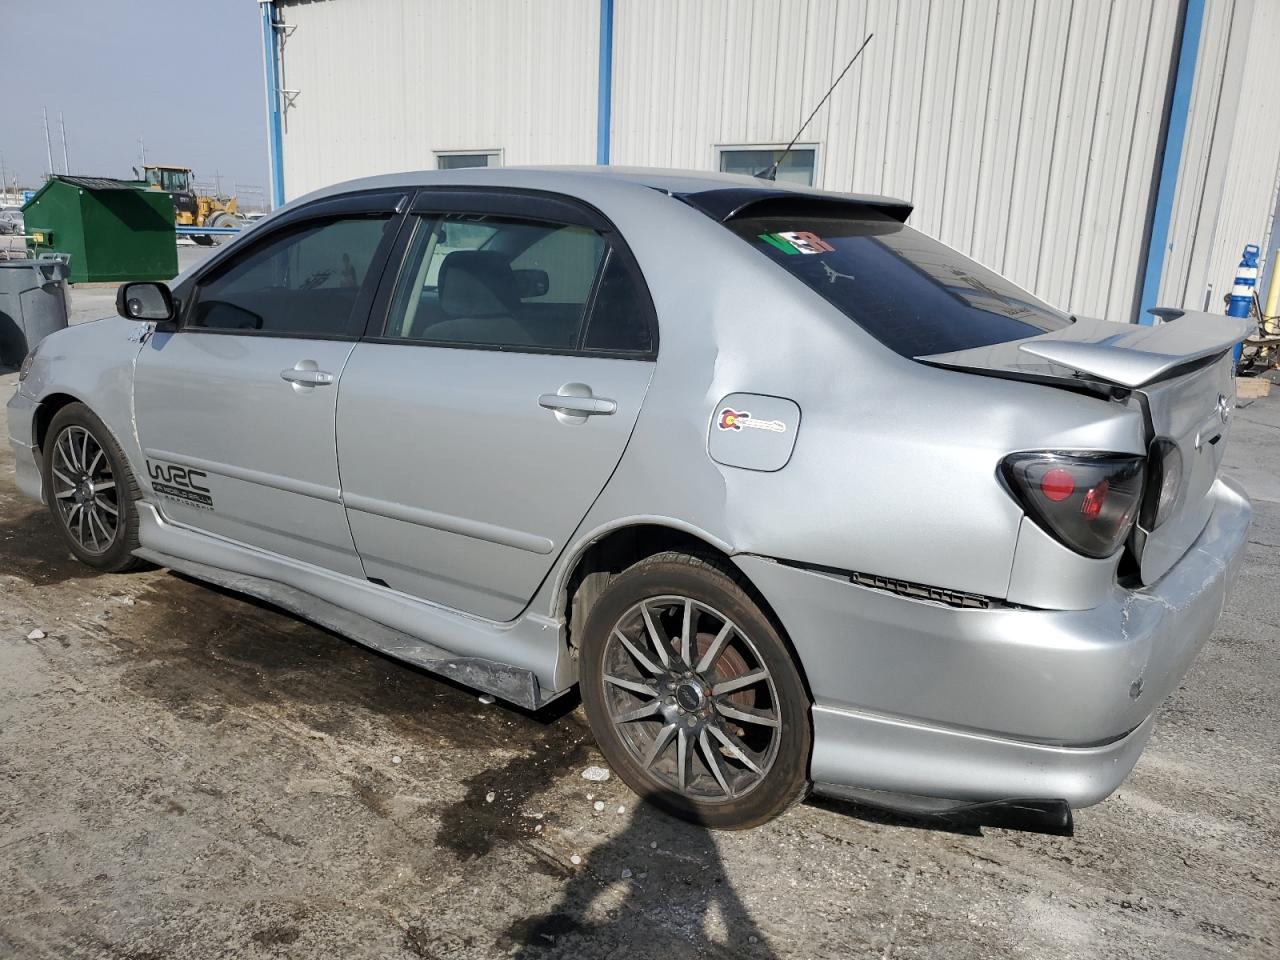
pixel 578 406
pixel 305 373
pixel 574 402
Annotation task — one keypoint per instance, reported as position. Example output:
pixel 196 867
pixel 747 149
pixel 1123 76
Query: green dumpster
pixel 110 229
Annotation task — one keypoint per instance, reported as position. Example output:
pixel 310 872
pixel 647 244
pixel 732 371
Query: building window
pixel 799 166
pixel 459 160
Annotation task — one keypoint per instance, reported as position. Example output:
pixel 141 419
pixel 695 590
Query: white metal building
pixel 1081 147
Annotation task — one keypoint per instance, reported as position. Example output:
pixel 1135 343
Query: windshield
pixel 915 295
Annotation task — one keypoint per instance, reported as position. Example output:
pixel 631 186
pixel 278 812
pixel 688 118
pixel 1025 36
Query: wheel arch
pixel 609 551
pixel 46 410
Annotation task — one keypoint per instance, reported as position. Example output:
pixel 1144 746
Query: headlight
pixel 29 359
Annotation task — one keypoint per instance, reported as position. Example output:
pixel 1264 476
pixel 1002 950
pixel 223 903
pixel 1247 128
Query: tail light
pixel 1088 501
pixel 1164 483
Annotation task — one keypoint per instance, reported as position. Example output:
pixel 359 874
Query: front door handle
pixel 574 402
pixel 307 373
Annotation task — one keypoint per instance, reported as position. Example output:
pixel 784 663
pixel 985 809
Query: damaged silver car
pixel 798 497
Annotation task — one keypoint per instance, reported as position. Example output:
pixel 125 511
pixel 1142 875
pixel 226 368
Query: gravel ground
pixel 185 773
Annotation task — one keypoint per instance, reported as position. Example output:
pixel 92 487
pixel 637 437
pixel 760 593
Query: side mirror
pixel 145 301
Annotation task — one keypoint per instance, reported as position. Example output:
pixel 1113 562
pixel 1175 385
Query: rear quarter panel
pixel 894 470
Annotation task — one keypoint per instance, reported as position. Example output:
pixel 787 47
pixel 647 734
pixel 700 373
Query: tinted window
pixel 620 317
pixel 495 281
pixel 794 167
pixel 463 161
pixel 913 294
pixel 303 282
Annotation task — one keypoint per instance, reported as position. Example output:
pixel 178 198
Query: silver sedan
pixel 797 497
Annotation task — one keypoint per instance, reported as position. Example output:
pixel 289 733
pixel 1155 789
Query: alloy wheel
pixel 84 489
pixel 691 699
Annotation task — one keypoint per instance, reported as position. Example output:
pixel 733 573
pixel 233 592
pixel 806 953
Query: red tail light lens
pixel 1088 501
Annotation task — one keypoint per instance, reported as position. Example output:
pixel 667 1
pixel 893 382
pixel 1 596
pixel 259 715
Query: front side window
pixel 301 282
pixel 495 281
pixel 913 294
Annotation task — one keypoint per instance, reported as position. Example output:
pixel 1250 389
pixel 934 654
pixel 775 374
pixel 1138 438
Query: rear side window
pixel 620 319
pixel 915 295
pixel 302 282
pixel 511 283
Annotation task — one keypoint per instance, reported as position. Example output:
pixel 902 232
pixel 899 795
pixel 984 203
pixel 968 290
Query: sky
pixel 185 75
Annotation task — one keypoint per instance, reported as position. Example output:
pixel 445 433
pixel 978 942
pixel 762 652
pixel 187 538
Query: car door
pixel 236 410
pixel 493 396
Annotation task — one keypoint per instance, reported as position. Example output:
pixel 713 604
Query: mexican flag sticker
pixel 797 241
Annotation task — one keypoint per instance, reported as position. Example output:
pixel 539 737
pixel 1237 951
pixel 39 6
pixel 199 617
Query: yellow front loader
pixel 191 209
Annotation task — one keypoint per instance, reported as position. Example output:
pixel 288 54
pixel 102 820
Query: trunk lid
pixel 1181 372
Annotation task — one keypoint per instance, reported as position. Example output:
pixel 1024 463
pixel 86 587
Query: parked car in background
pixel 11 221
pixel 795 495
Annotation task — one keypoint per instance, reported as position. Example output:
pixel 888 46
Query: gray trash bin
pixel 33 304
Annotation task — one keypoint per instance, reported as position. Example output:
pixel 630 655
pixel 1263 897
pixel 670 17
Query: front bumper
pixel 917 697
pixel 26 457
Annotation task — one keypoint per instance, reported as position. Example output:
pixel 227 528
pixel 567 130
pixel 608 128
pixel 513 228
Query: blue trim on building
pixel 271 74
pixel 1171 148
pixel 604 97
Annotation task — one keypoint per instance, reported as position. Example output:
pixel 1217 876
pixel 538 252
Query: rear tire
pixel 735 697
pixel 90 490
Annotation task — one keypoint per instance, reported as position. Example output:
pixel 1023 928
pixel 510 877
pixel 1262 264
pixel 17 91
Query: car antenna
pixel 772 172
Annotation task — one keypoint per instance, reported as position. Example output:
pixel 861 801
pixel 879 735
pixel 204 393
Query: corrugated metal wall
pixel 382 84
pixel 1025 131
pixel 1231 154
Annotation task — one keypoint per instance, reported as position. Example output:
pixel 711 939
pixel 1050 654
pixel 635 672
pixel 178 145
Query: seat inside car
pixel 478 297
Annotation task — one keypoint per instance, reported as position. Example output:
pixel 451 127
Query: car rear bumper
pixel 26 458
pixel 918 697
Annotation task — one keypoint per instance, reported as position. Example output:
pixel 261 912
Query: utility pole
pixel 48 147
pixel 66 167
pixel 143 147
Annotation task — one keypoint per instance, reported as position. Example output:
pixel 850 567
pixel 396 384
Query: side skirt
pixel 510 683
pixel 524 661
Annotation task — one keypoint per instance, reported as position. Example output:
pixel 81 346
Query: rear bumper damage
pixel 921 698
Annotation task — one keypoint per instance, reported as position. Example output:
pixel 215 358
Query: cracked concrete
pixel 185 773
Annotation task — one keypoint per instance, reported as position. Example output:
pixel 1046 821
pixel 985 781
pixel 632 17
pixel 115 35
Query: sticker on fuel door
pixel 797 241
pixel 753 431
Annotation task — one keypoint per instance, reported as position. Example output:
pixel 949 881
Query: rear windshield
pixel 913 294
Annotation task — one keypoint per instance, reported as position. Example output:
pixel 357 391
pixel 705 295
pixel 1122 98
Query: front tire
pixel 90 490
pixel 692 694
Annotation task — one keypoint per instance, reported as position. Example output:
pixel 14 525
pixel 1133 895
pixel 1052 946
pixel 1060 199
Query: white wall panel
pixel 1021 129
pixel 382 84
pixel 1026 132
pixel 1226 189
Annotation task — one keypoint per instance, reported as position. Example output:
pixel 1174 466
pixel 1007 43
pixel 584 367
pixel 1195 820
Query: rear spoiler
pixel 1143 354
pixel 1116 354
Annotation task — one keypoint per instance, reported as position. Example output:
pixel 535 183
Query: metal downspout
pixel 271 76
pixel 604 96
pixel 1170 154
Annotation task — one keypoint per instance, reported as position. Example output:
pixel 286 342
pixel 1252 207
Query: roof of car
pixel 720 195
